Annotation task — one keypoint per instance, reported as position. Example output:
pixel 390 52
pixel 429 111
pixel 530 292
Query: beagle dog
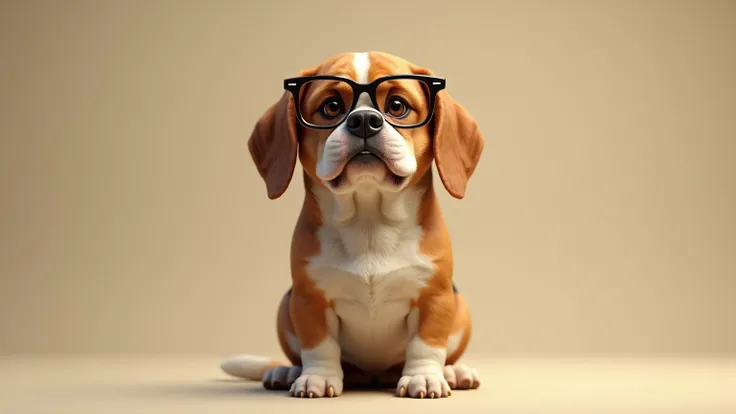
pixel 372 300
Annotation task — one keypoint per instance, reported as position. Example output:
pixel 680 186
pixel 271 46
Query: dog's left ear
pixel 457 141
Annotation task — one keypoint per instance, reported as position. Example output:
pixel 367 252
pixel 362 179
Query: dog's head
pixel 366 120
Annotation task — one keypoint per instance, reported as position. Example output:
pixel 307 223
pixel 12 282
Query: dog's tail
pixel 250 367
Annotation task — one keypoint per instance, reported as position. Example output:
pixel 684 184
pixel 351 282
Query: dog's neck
pixel 369 221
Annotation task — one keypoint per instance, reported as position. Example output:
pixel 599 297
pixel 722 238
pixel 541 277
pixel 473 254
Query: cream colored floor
pixel 180 384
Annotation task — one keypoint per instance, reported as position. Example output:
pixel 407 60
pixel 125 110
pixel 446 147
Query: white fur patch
pixel 423 359
pixel 362 65
pixel 371 267
pixel 324 359
pixel 335 152
pixel 453 342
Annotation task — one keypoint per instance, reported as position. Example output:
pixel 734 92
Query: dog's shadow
pixel 227 388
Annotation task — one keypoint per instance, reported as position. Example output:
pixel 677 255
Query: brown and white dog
pixel 372 300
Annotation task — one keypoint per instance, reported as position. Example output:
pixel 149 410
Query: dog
pixel 372 300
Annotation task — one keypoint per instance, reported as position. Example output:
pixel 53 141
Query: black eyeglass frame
pixel 434 83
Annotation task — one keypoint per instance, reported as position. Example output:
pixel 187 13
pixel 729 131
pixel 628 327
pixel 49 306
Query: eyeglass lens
pixel 326 102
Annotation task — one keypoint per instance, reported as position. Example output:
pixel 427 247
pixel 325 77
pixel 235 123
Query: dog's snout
pixel 365 123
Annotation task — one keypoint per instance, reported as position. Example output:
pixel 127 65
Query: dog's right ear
pixel 274 144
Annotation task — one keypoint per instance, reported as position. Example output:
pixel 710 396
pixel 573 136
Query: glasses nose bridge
pixel 363 96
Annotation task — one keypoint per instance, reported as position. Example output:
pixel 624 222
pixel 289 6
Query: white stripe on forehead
pixel 362 65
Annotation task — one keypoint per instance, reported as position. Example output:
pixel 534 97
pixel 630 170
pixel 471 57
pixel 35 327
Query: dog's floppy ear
pixel 274 144
pixel 457 141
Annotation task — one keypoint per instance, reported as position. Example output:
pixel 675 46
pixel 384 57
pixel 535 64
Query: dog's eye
pixel 397 107
pixel 332 108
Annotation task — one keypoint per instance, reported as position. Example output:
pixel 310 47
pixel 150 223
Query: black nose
pixel 365 123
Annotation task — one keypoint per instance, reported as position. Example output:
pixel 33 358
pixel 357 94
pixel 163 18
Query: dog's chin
pixel 366 171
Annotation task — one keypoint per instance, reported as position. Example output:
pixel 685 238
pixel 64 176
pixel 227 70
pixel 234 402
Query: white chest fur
pixel 371 268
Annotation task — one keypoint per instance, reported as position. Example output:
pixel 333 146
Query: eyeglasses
pixel 324 101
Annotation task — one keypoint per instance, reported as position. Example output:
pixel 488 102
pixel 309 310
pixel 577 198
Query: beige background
pixel 602 217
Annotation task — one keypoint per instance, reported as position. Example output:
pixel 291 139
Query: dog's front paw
pixel 462 377
pixel 316 386
pixel 421 386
